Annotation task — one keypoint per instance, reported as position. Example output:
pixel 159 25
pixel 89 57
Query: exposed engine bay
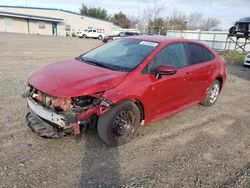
pixel 54 117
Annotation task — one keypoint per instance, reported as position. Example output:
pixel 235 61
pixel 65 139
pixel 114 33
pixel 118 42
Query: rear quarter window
pixel 199 54
pixel 208 55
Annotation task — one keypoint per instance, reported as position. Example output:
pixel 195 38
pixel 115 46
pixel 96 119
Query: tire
pixel 232 30
pixel 213 94
pixel 84 36
pixel 100 37
pixel 110 40
pixel 109 125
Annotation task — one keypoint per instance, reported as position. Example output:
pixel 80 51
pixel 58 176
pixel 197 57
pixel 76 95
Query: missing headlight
pixel 106 103
pixel 83 101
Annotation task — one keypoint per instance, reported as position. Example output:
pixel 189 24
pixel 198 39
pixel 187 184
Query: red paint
pixel 159 97
pixel 94 110
pixel 88 113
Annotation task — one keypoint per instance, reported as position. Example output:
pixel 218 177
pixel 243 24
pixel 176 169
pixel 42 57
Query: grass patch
pixel 235 56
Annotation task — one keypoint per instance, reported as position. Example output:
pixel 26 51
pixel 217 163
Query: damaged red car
pixel 121 85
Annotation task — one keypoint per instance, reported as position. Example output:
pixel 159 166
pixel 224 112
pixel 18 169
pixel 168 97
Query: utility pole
pixel 167 25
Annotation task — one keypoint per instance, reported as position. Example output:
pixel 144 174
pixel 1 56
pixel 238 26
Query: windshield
pixel 120 55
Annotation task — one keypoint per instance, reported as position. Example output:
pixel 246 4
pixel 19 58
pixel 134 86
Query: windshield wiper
pixel 79 59
pixel 94 62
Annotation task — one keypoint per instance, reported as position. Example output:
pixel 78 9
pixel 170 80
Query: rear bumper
pixel 247 62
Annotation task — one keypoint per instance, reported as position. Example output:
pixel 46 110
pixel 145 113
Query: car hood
pixel 74 78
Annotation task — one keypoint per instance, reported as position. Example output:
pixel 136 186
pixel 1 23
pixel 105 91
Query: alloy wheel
pixel 214 92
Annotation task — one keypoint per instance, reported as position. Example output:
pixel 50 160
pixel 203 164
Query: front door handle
pixel 188 74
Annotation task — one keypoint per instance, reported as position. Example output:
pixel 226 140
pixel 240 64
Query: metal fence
pixel 214 39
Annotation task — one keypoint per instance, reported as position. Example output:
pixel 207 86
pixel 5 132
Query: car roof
pixel 158 39
pixel 246 19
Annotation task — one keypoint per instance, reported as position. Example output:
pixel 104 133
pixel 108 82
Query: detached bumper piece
pixel 42 128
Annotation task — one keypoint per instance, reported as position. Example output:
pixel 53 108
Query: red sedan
pixel 121 85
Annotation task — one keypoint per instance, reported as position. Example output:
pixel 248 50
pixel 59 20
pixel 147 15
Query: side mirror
pixel 165 70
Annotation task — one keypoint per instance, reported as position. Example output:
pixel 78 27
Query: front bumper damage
pixel 43 128
pixel 46 114
pixel 49 123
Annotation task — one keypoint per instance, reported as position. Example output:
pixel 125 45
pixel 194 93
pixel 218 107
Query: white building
pixel 47 21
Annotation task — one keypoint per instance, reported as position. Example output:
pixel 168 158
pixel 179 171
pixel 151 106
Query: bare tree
pixel 155 23
pixel 133 21
pixel 151 14
pixel 210 23
pixel 178 20
pixel 195 20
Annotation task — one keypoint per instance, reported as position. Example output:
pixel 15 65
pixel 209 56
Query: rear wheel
pixel 120 124
pixel 100 37
pixel 213 94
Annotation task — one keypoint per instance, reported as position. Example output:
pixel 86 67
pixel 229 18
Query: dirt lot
pixel 200 147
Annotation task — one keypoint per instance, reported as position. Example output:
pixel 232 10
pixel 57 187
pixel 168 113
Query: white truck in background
pixel 91 33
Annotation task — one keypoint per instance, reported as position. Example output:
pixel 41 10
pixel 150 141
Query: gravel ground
pixel 199 147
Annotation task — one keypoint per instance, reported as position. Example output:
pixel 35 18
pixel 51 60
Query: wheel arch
pixel 140 106
pixel 220 79
pixel 137 102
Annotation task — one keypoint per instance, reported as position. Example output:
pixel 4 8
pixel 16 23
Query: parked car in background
pixel 247 60
pixel 119 86
pixel 242 26
pixel 119 35
pixel 91 33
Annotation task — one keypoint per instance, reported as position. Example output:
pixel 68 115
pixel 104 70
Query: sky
pixel 228 11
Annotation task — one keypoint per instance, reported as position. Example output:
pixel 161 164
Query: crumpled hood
pixel 74 78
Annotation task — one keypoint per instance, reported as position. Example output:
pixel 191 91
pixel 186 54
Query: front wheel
pixel 120 124
pixel 232 30
pixel 213 94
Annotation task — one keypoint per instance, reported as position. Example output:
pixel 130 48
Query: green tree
pixel 94 12
pixel 157 26
pixel 121 20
